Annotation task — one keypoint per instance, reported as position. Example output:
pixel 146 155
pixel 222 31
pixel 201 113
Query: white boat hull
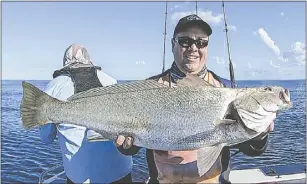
pixel 275 174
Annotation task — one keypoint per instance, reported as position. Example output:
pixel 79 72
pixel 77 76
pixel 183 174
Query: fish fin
pixel 96 139
pixel 256 122
pixel 93 136
pixel 224 121
pixel 30 107
pixel 87 181
pixel 118 88
pixel 206 157
pixel 194 81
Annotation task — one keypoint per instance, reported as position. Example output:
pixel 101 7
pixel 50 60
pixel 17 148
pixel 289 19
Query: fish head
pixel 273 99
pixel 258 107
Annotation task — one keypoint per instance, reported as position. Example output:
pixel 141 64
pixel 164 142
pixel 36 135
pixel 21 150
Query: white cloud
pixel 219 60
pixel 226 66
pixel 291 66
pixel 222 63
pixel 214 19
pixel 268 41
pixel 273 65
pixel 292 71
pixel 254 33
pixel 257 71
pixel 283 15
pixel 249 65
pixel 296 54
pixel 207 16
pixel 234 65
pixel 177 6
pixel 140 62
pixel 232 28
pixel 254 73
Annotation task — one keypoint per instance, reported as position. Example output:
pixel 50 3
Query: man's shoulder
pixel 105 79
pixel 158 76
pixel 225 82
pixel 58 81
pixel 60 87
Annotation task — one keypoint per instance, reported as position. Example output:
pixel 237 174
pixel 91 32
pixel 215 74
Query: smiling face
pixel 190 58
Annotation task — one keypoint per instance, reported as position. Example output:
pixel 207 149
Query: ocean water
pixel 24 157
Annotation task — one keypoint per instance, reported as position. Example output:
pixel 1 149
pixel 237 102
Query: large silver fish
pixel 161 117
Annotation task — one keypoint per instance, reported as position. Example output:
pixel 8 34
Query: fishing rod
pixel 163 69
pixel 231 72
pixel 196 6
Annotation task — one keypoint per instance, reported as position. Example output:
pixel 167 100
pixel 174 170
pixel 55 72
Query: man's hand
pixel 125 142
pixel 125 145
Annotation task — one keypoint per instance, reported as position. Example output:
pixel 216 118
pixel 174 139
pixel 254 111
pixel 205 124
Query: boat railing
pixel 55 174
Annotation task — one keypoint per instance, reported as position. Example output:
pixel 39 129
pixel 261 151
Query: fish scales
pixel 128 114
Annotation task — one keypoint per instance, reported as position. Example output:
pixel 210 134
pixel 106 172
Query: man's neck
pixel 176 73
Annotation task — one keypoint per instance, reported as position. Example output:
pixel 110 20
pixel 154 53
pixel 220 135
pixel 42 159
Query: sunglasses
pixel 187 42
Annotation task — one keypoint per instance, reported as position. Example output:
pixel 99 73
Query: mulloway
pixel 161 117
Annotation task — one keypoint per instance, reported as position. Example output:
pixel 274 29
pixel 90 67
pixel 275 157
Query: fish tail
pixel 30 109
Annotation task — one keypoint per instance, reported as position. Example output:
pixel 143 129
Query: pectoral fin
pixel 206 157
pixel 94 136
pixel 224 121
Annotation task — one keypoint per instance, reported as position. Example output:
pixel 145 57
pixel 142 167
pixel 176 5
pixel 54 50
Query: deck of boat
pixel 272 174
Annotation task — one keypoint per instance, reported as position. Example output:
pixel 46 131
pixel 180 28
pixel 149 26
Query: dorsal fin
pixel 195 81
pixel 119 88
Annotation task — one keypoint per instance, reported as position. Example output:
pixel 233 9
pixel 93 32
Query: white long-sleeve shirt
pixel 97 162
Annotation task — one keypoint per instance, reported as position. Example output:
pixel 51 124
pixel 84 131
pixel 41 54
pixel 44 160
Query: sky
pixel 267 39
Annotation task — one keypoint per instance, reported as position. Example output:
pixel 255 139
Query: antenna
pixel 231 72
pixel 163 69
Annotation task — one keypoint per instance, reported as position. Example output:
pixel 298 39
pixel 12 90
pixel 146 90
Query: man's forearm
pixel 256 146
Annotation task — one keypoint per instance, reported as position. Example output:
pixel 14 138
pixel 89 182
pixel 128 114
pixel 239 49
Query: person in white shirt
pixel 84 161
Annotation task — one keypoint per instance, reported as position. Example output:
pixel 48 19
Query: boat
pixel 295 173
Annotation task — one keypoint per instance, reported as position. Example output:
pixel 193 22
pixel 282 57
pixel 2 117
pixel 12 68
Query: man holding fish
pixel 190 48
pixel 185 117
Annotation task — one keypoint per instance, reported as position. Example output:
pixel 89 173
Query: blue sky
pixel 126 38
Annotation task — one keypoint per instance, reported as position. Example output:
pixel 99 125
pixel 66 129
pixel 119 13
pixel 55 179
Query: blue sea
pixel 24 157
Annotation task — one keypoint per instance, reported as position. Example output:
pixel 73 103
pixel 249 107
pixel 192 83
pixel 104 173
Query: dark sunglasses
pixel 187 42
